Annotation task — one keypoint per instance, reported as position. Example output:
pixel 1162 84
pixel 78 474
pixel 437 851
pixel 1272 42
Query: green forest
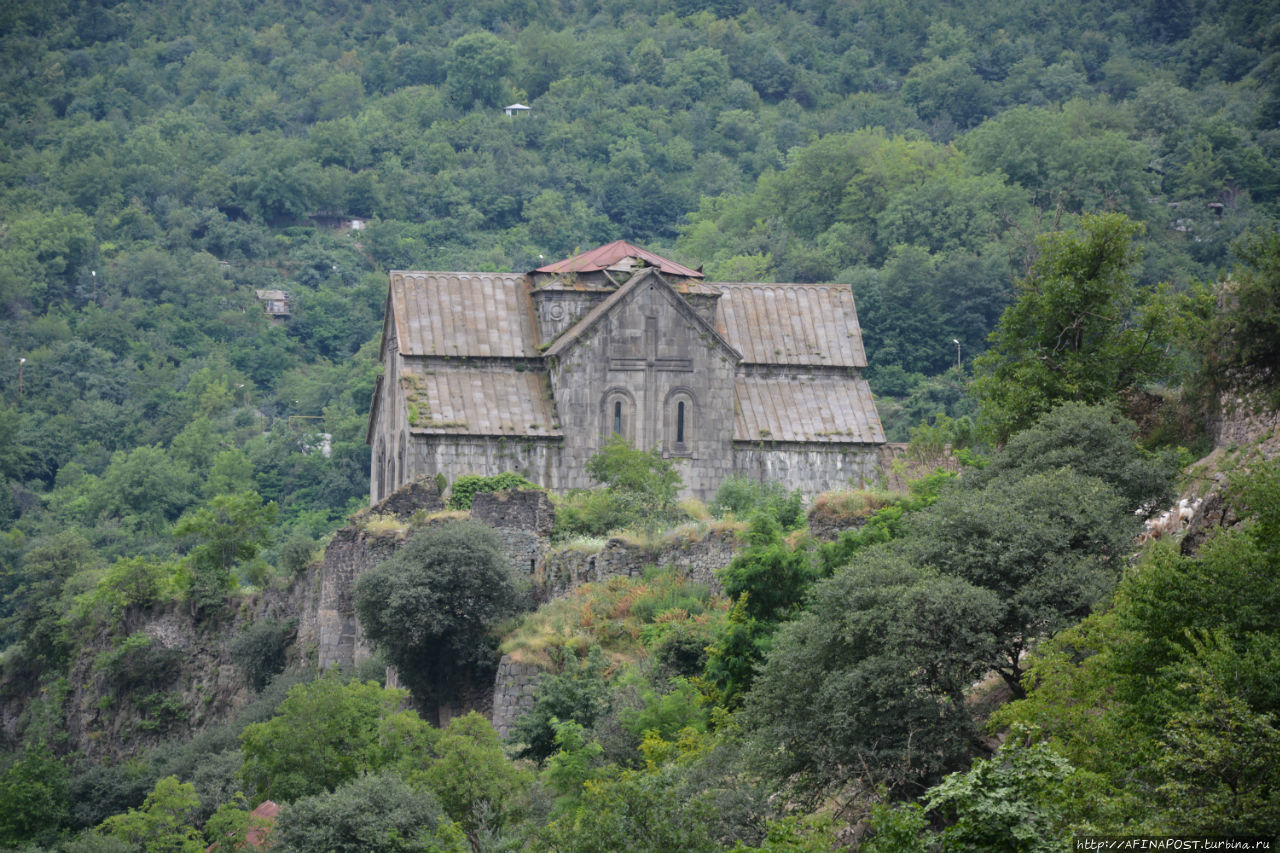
pixel 1059 223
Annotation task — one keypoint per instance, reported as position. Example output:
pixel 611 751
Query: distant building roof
pixel 612 256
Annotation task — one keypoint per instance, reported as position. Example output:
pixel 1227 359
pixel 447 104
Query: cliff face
pixel 156 674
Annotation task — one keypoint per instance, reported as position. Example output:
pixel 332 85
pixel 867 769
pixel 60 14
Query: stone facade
pixel 486 373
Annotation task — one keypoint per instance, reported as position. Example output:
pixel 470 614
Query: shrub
pixel 260 650
pixel 138 663
pixel 467 487
pixel 744 497
pixel 295 556
pixel 369 814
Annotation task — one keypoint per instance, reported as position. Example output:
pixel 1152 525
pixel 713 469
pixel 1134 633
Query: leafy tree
pixel 1242 341
pixel 642 483
pixel 1047 546
pixel 228 531
pixel 33 787
pixel 327 733
pixel 578 693
pixel 1167 696
pixel 475 783
pixel 260 650
pixel 1079 329
pixel 432 607
pixel 1093 440
pixel 369 814
pixel 476 66
pixel 869 681
pixel 1016 800
pixel 163 824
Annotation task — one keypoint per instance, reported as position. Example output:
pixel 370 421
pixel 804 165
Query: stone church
pixel 492 372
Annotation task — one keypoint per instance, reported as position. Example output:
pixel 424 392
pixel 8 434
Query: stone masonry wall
pixel 810 470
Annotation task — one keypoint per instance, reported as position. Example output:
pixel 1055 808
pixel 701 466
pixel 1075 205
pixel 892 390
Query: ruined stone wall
pixel 513 691
pixel 328 629
pixel 523 521
pixel 696 559
pixel 811 470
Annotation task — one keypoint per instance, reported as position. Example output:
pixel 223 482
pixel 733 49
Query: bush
pixel 295 556
pixel 467 487
pixel 138 663
pixel 367 815
pixel 261 650
pixel 744 497
pixel 579 693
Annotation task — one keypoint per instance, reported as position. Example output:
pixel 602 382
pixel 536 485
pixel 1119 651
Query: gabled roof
pixel 820 408
pixel 463 314
pixel 611 254
pixel 809 324
pixel 592 317
pixel 478 401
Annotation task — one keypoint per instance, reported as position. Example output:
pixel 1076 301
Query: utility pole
pixel 957 343
pixel 94 273
pixel 21 362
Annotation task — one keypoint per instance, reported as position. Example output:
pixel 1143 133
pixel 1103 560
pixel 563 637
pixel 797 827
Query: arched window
pixel 618 414
pixel 379 471
pixel 679 422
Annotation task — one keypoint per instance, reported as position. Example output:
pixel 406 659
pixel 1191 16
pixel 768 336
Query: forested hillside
pixel 1098 166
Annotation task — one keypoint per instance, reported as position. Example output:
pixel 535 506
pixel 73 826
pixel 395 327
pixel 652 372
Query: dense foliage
pixel 167 449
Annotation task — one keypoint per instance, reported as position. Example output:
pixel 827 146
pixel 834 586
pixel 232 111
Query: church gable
pixel 653 281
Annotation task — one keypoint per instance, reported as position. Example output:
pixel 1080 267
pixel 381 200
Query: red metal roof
pixel 610 254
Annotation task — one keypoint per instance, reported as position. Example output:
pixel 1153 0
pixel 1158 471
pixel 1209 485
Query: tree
pixel 432 607
pixel 477 63
pixel 1014 801
pixel 474 781
pixel 866 687
pixel 34 789
pixel 1243 341
pixel 327 733
pixel 1080 328
pixel 1047 547
pixel 375 813
pixel 578 693
pixel 1094 440
pixel 164 822
pixel 228 531
pixel 1167 697
pixel 642 484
